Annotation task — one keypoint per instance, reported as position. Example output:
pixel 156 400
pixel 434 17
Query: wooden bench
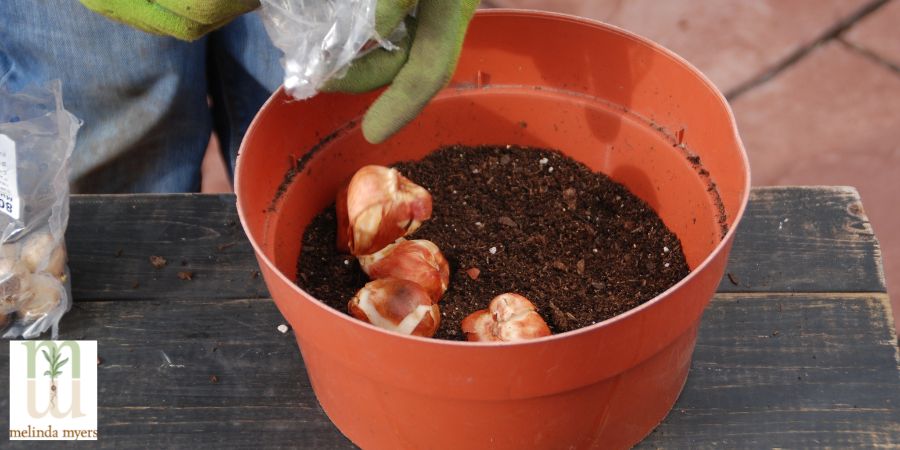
pixel 796 350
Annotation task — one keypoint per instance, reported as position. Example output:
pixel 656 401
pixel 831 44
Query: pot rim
pixel 720 246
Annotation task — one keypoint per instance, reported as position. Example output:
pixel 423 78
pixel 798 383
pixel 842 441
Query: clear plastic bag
pixel 319 38
pixel 37 136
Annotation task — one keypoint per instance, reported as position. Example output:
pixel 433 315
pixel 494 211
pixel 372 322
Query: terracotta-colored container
pixel 616 102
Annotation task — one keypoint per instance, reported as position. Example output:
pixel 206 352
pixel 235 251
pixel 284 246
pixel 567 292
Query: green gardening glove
pixel 422 66
pixel 417 70
pixel 183 19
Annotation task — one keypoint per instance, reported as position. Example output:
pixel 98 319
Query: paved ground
pixel 815 86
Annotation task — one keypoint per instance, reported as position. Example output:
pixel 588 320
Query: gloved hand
pixel 417 70
pixel 422 65
pixel 184 19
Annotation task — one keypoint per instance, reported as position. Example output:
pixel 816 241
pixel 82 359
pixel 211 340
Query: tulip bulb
pixel 9 254
pixel 43 295
pixel 509 318
pixel 41 253
pixel 36 250
pixel 401 306
pixel 377 207
pixel 10 271
pixel 56 265
pixel 14 283
pixel 419 261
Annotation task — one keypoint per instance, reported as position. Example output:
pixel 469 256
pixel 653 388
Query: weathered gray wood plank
pixel 805 239
pixel 743 391
pixel 111 239
pixel 770 370
pixel 158 360
pixel 792 239
pixel 790 371
pixel 274 427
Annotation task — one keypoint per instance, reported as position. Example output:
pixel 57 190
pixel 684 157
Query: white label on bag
pixel 9 184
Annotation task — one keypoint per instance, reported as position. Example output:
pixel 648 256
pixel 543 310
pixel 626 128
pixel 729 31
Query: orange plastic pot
pixel 616 102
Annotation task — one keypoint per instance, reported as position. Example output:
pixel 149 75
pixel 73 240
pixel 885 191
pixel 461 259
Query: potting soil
pixel 580 246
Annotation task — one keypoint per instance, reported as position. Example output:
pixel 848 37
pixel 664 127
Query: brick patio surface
pixel 815 86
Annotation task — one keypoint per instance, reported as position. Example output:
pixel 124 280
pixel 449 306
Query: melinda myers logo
pixel 53 390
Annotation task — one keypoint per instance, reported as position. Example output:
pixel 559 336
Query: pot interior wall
pixel 602 136
pixel 618 105
pixel 614 102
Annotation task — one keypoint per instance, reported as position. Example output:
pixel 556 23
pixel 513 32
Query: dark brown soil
pixel 578 245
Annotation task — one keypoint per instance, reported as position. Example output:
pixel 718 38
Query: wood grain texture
pixel 797 350
pixel 111 239
pixel 770 370
pixel 790 371
pixel 805 239
pixel 155 377
pixel 791 239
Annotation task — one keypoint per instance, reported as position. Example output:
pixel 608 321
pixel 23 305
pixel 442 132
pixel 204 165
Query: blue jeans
pixel 143 98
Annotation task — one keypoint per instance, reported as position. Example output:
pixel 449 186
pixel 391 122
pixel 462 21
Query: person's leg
pixel 244 70
pixel 142 97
